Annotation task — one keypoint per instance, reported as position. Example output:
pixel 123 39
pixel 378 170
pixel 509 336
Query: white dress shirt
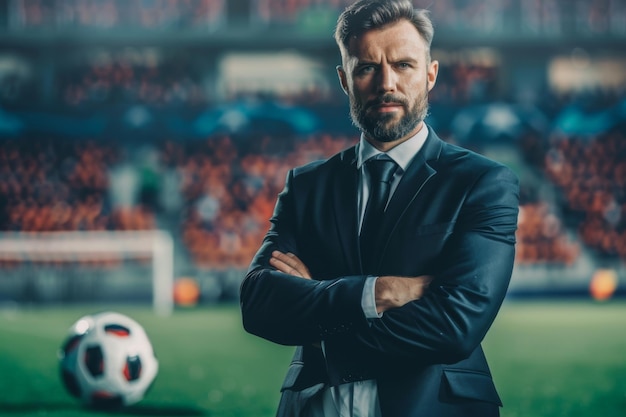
pixel 360 398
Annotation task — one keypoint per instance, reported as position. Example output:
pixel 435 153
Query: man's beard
pixel 381 127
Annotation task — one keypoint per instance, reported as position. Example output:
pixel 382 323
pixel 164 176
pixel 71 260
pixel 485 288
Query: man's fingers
pixel 285 260
pixel 283 267
pixel 289 264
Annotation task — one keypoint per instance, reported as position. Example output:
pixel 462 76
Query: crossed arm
pixel 442 322
pixel 389 291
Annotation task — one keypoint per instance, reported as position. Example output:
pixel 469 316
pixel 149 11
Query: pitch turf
pixel 548 359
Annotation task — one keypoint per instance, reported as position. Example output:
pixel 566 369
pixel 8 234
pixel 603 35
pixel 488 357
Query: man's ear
pixel 342 78
pixel 433 70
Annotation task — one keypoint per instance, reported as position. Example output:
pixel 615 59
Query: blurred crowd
pixel 116 14
pixel 59 185
pixel 542 237
pixel 591 174
pixel 221 192
pixel 484 16
pixel 216 193
pixel 288 11
pixel 133 79
pixel 165 14
pixel 221 189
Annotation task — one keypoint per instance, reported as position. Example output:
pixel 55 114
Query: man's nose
pixel 387 79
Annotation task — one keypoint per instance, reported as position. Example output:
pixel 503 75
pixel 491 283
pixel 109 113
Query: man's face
pixel 387 76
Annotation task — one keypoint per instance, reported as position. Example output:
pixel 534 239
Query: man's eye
pixel 404 65
pixel 366 69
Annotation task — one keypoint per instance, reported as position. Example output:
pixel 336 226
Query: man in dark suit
pixel 387 263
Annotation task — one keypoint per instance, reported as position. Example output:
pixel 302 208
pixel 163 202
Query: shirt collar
pixel 401 154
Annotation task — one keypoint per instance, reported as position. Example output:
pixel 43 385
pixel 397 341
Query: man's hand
pixel 392 292
pixel 289 264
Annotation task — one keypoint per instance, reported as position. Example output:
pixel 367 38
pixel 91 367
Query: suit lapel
pixel 345 189
pixel 418 173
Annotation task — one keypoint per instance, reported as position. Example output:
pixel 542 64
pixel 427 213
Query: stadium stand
pixel 116 14
pixel 111 134
pixel 541 237
pixel 131 78
pixel 591 174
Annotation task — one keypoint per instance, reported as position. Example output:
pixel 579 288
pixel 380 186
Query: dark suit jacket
pixel 453 216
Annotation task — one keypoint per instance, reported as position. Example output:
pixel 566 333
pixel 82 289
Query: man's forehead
pixel 374 43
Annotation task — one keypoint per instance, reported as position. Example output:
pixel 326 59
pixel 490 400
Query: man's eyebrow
pixel 395 61
pixel 406 59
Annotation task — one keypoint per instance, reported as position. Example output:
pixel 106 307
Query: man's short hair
pixel 365 15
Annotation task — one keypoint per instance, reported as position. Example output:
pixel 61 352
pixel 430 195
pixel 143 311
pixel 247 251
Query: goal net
pixel 88 265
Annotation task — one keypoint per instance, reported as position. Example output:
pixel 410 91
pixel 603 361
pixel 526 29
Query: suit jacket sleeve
pixel 291 310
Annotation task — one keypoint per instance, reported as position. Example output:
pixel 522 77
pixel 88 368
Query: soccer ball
pixel 107 361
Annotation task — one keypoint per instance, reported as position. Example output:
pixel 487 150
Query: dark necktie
pixel 381 174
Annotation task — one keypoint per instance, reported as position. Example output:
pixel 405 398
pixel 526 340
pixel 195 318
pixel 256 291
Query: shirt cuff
pixel 368 299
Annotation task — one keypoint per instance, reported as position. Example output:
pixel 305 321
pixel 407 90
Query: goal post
pixel 96 246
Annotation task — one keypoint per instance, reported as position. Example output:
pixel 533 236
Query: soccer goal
pixel 50 251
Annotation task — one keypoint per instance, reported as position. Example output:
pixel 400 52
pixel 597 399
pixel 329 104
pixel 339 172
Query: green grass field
pixel 548 359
